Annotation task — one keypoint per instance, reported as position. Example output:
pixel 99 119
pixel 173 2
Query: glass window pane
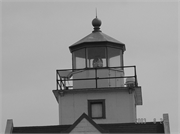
pixel 96 110
pixel 114 58
pixel 79 59
pixel 96 57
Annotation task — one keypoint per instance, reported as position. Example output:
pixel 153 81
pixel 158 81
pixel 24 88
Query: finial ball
pixel 96 22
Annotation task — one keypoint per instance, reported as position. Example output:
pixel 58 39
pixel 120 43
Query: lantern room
pixel 97 62
pixel 92 59
pixel 97 50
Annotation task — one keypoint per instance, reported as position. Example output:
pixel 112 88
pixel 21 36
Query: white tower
pixel 97 84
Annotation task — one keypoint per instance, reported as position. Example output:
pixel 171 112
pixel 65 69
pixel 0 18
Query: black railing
pixel 94 77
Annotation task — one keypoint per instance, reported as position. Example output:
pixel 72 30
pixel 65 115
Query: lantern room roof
pixel 96 37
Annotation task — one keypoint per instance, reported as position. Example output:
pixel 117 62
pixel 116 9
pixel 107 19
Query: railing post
pixel 96 76
pixel 56 80
pixel 136 83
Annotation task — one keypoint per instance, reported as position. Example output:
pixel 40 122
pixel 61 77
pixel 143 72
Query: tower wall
pixel 119 105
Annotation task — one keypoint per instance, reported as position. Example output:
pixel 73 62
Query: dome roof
pixel 96 37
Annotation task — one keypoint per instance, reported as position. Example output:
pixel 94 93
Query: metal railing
pixel 68 79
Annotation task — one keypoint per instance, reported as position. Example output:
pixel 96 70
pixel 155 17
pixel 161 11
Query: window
pixel 79 59
pixel 114 57
pixel 96 57
pixel 96 109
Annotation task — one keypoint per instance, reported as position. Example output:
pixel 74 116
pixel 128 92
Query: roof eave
pixel 97 44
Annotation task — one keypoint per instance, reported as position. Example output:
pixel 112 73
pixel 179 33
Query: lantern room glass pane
pixel 114 57
pixel 79 60
pixel 96 57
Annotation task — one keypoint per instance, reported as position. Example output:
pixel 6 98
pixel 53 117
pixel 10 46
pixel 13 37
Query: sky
pixel 36 36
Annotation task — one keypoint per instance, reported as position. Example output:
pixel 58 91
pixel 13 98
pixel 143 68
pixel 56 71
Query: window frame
pixel 120 58
pixel 74 60
pixel 106 56
pixel 97 101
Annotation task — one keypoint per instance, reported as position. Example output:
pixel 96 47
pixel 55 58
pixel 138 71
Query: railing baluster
pixel 136 84
pixel 96 76
pixel 56 79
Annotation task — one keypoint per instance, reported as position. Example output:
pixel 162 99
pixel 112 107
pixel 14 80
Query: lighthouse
pixel 99 94
pixel 97 84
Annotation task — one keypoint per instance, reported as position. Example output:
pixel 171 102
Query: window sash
pixel 96 110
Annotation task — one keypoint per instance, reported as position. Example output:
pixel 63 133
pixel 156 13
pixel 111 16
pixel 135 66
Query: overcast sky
pixel 36 36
